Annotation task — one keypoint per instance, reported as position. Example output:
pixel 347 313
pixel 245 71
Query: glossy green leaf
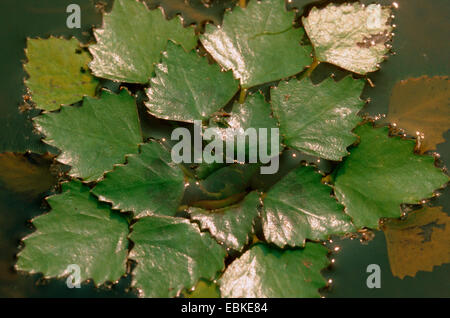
pixel 268 272
pixel 318 119
pixel 58 72
pixel 187 87
pixel 231 225
pixel 381 173
pixel 150 183
pixel 172 254
pixel 300 207
pixel 254 113
pixel 259 43
pixel 351 36
pixel 95 136
pixel 132 40
pixel 78 230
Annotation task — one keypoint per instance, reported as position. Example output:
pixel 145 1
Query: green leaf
pixel 78 230
pixel 268 272
pixel 318 119
pixel 381 173
pixel 132 40
pixel 203 170
pixel 58 72
pixel 95 136
pixel 150 183
pixel 254 113
pixel 351 36
pixel 259 43
pixel 172 254
pixel 187 87
pixel 232 225
pixel 203 289
pixel 300 207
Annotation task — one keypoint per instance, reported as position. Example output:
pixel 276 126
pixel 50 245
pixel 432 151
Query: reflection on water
pixel 28 175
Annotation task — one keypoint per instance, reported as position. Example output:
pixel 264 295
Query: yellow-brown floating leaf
pixel 418 243
pixel 422 105
pixel 204 289
pixel 25 174
pixel 58 72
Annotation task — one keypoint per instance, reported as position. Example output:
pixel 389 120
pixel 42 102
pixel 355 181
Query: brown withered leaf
pixel 26 174
pixel 422 105
pixel 418 243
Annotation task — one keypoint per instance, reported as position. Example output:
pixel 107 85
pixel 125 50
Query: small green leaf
pixel 78 230
pixel 95 136
pixel 254 113
pixel 264 272
pixel 187 87
pixel 351 36
pixel 300 207
pixel 232 225
pixel 259 43
pixel 150 183
pixel 132 40
pixel 381 173
pixel 58 72
pixel 172 254
pixel 318 119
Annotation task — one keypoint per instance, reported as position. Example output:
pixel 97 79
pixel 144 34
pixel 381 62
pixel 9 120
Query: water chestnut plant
pixel 126 208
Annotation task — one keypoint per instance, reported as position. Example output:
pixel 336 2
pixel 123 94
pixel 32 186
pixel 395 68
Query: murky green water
pixel 421 48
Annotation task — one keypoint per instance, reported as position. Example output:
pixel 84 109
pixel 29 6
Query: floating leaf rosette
pixel 183 224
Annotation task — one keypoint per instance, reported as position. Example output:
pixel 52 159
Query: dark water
pixel 421 48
